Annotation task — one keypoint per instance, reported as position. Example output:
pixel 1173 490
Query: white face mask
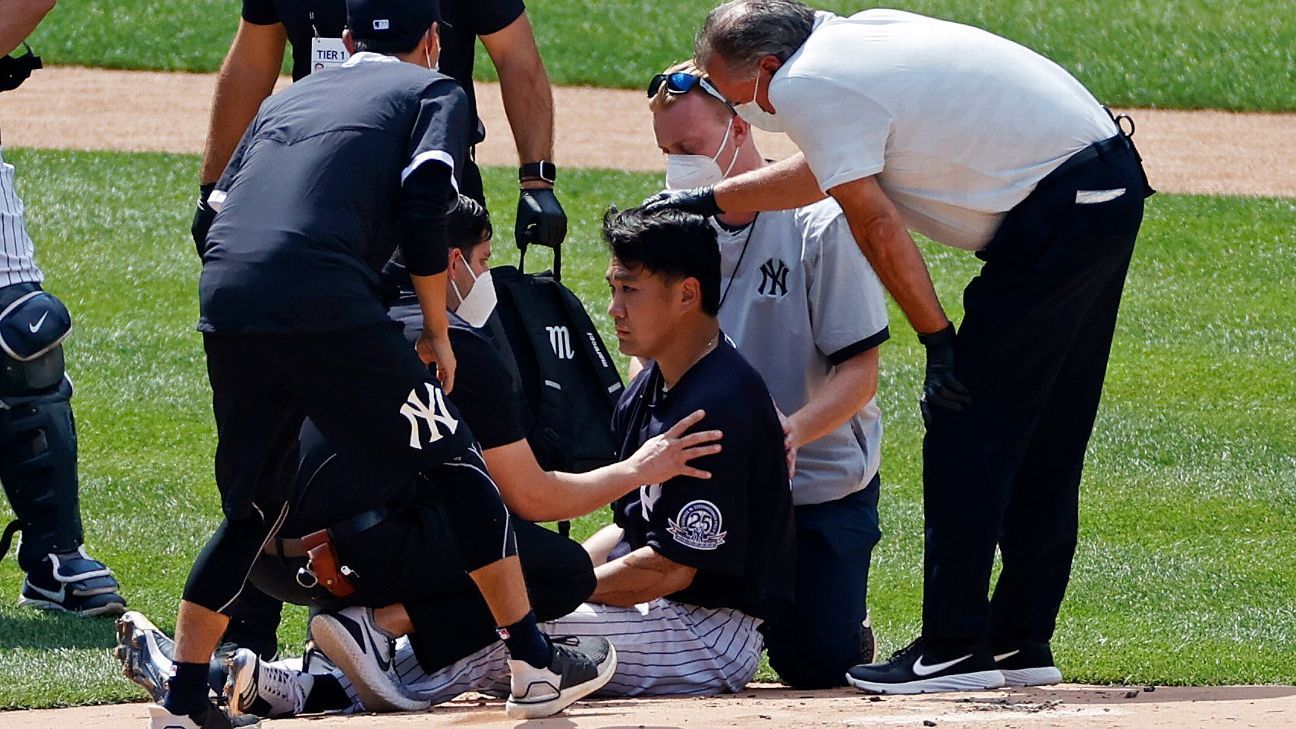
pixel 684 171
pixel 753 114
pixel 476 307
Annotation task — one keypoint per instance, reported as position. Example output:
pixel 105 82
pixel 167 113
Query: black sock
pixel 187 689
pixel 525 642
pixel 326 695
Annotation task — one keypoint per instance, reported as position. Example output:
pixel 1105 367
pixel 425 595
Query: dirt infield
pixel 1206 152
pixel 1061 707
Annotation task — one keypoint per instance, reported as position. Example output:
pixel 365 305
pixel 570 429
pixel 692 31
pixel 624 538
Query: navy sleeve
pixel 703 523
pixel 492 16
pixel 426 198
pixel 485 392
pixel 260 12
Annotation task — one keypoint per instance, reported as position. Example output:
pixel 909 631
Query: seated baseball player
pixel 557 571
pixel 803 305
pixel 693 564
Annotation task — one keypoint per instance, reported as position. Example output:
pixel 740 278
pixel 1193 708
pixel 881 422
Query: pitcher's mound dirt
pixel 764 706
pixel 1208 152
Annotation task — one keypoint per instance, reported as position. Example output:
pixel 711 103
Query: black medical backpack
pixel 569 379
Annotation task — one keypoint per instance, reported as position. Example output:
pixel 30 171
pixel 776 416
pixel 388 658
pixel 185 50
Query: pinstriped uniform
pixel 663 648
pixel 16 251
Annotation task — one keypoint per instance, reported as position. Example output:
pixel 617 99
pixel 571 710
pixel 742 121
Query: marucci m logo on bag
pixel 774 273
pixel 433 412
pixel 560 341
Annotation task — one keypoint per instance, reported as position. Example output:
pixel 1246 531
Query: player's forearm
pixel 848 388
pixel 640 576
pixel 431 292
pixel 18 18
pixel 524 86
pixel 555 495
pixel 781 186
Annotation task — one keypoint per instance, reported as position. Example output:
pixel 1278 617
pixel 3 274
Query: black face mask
pixel 15 69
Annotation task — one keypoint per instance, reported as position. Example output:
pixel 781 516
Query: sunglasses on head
pixel 682 82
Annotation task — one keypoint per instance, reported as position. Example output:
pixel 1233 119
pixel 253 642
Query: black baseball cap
pixel 378 19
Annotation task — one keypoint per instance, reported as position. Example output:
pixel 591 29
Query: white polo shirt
pixel 958 124
pixel 797 298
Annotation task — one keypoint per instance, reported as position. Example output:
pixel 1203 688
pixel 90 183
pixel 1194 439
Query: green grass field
pixel 1184 573
pixel 1227 54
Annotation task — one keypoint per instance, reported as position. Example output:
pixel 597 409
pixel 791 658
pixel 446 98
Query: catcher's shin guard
pixel 38 467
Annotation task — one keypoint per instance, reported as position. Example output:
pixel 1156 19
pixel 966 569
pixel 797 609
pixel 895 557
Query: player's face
pixel 466 269
pixel 693 125
pixel 643 309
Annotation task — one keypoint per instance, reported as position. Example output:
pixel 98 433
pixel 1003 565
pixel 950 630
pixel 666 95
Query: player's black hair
pixel 670 243
pixel 468 224
pixel 393 46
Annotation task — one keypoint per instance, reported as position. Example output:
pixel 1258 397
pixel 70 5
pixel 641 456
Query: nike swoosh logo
pixel 921 669
pixel 383 663
pixel 1006 656
pixel 55 596
pixel 36 327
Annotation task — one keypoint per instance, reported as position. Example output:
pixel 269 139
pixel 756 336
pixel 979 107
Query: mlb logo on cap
pixel 381 24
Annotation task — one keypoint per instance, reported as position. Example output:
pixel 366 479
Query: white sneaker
pixel 366 655
pixel 579 667
pixel 264 689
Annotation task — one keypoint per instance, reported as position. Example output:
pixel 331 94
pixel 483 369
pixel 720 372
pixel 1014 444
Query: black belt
pixel 350 527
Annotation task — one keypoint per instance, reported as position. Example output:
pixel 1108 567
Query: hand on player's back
pixel 666 456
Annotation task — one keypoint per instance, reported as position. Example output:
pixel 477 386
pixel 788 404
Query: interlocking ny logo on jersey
pixel 774 273
pixel 433 412
pixel 560 341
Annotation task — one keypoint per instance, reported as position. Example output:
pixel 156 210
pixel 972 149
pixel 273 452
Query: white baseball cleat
pixel 257 687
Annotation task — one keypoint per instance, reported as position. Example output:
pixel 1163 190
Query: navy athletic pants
pixel 814 643
pixel 1032 349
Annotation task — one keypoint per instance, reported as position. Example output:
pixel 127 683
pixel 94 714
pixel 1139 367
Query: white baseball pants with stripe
pixel 663 648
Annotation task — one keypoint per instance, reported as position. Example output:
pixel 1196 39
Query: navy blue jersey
pixel 462 22
pixel 736 527
pixel 310 204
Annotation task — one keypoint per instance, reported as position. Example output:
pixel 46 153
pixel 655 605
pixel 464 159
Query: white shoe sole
pixel 376 689
pixel 160 718
pixel 566 697
pixel 976 681
pixel 1042 676
pixel 112 609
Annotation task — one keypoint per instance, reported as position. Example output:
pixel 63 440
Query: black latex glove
pixel 941 388
pixel 203 217
pixel 540 219
pixel 699 200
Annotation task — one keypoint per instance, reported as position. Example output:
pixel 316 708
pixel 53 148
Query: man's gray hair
pixel 741 32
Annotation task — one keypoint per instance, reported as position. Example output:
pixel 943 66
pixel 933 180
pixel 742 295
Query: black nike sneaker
pixel 921 668
pixel 366 654
pixel 1024 663
pixel 579 667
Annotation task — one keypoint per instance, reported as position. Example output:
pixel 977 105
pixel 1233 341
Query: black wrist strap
pixel 543 170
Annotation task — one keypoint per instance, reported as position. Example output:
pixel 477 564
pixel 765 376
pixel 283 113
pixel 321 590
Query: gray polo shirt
pixel 801 299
